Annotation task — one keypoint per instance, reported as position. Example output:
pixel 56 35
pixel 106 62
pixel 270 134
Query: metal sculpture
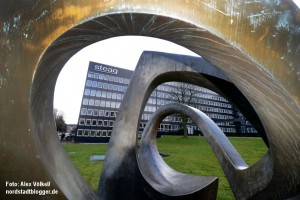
pixel 255 44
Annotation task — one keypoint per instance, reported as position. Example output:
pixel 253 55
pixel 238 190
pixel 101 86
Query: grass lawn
pixel 190 155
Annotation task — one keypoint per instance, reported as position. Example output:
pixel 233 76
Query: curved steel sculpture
pixel 254 44
pixel 168 181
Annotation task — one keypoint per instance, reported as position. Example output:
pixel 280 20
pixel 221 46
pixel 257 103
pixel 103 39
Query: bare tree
pixel 61 125
pixel 184 93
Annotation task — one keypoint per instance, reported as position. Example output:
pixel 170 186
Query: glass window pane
pixel 85 101
pixel 93 93
pixel 98 133
pixel 88 122
pixel 86 133
pixel 96 112
pixel 91 102
pixel 83 111
pixel 89 83
pixel 98 94
pixel 97 103
pixel 102 103
pixel 93 133
pixel 79 132
pixel 90 112
pixel 96 75
pixel 81 121
pixel 87 92
pixel 105 85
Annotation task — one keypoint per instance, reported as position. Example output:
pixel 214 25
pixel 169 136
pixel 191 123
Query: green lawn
pixel 190 155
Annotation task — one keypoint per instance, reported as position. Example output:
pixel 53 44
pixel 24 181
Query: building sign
pixel 105 69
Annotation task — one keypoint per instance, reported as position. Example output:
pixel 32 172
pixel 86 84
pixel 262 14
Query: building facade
pixel 104 90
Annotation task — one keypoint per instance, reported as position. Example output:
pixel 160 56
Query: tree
pixel 184 93
pixel 61 125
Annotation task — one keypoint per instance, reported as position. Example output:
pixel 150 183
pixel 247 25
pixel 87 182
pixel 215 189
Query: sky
pixel 122 52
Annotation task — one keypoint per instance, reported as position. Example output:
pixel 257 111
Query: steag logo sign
pixel 105 69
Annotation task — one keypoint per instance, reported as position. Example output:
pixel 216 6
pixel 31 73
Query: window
pixel 96 75
pixel 111 123
pixel 115 87
pixel 93 93
pixel 105 123
pixel 108 95
pixel 112 114
pixel 111 78
pixel 104 133
pixel 83 111
pixel 86 132
pixel 94 122
pixel 100 85
pixel 161 126
pixel 102 103
pixel 105 86
pixel 90 75
pixel 88 122
pixel 118 105
pixel 100 122
pixel 120 80
pixel 107 104
pixel 106 77
pixel 96 112
pixel 87 92
pixel 109 133
pixel 94 84
pixel 120 88
pixel 101 112
pixel 91 102
pixel 85 101
pixel 114 96
pixel 90 112
pixel 110 87
pixel 101 76
pixel 106 113
pixel 79 132
pixel 103 94
pixel 113 104
pixel 98 94
pixel 116 79
pixel 93 133
pixel 98 133
pixel 119 96
pixel 97 103
pixel 81 121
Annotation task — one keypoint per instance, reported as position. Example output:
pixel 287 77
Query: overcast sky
pixel 122 52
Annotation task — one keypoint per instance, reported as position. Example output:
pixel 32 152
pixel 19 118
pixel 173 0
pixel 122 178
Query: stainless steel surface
pixel 255 44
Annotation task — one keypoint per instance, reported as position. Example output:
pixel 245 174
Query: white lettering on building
pixel 106 69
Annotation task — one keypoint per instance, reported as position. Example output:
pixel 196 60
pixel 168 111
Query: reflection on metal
pixel 168 181
pixel 255 44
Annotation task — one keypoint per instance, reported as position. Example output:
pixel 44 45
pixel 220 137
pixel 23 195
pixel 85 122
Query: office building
pixel 104 90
